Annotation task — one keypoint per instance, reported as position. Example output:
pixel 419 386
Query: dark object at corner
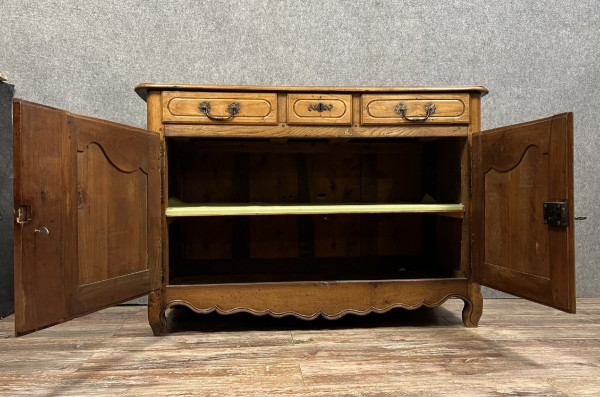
pixel 6 201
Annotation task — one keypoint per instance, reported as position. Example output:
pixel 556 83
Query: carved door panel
pixel 87 200
pixel 521 173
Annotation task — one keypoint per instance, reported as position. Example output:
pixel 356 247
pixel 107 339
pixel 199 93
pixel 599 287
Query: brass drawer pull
pixel 429 110
pixel 234 108
pixel 320 107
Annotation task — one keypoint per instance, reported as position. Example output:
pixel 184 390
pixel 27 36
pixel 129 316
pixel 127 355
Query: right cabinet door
pixel 523 232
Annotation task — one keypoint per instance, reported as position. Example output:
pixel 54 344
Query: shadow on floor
pixel 182 319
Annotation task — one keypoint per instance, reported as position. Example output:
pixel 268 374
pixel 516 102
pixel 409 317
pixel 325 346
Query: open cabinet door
pixel 523 236
pixel 87 211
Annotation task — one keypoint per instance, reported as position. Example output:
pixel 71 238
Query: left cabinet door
pixel 87 214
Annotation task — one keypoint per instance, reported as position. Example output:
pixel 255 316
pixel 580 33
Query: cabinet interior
pixel 318 174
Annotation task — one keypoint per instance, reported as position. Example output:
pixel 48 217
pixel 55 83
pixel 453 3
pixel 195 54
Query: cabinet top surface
pixel 142 89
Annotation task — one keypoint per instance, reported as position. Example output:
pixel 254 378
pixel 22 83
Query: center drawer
pixel 319 109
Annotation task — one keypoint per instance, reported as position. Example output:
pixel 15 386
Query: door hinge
pixel 23 214
pixel 556 213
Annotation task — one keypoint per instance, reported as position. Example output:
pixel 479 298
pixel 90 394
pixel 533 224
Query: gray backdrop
pixel 537 58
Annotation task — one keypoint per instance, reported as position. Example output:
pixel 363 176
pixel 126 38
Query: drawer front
pixel 415 109
pixel 220 108
pixel 319 109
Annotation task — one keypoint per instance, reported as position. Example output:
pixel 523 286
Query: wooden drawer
pixel 411 108
pixel 222 107
pixel 319 109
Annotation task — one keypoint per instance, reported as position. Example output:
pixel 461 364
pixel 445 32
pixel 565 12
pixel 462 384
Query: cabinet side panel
pixel 154 123
pixel 467 178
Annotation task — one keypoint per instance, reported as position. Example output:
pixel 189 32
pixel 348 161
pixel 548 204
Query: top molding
pixel 142 89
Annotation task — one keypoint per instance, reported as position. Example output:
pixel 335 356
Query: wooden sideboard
pixel 302 201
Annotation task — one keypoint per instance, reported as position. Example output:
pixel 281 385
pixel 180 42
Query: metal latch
pixel 23 214
pixel 556 213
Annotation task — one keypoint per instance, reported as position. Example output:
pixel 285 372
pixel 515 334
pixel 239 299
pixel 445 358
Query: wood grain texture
pixel 467 165
pixel 156 313
pixel 517 169
pixel 309 300
pixel 300 131
pixel 299 109
pixel 519 348
pixel 184 107
pixel 471 314
pixel 473 306
pixel 118 212
pixel 99 249
pixel 142 89
pixel 155 124
pixel 44 180
pixel 381 108
pixel 101 188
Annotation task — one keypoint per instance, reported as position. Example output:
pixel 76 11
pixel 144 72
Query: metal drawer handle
pixel 320 107
pixel 234 108
pixel 429 110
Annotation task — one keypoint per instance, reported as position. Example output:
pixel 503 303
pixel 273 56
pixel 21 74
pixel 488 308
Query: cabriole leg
pixel 156 314
pixel 473 306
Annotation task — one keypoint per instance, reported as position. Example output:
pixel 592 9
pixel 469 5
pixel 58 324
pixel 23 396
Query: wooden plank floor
pixel 520 348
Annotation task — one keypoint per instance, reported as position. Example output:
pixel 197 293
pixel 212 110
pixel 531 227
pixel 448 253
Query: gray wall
pixel 536 58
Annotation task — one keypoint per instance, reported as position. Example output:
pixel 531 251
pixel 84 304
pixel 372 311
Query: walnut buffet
pixel 302 201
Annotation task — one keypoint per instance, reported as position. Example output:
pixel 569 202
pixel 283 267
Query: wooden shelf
pixel 178 208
